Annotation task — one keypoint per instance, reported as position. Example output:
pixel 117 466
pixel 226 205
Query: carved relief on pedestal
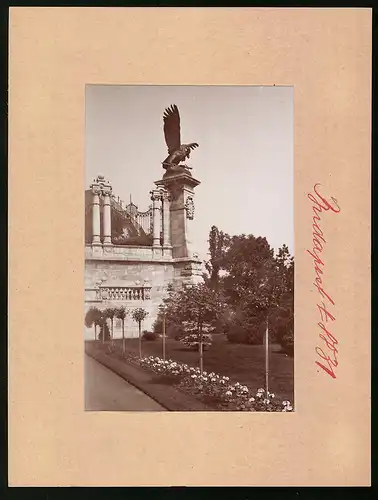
pixel 189 207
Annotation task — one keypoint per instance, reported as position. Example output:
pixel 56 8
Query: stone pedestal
pixel 180 188
pixel 181 193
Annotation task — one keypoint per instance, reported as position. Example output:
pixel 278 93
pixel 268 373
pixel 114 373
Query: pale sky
pixel 244 162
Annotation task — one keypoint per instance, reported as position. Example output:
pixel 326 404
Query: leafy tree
pixel 138 316
pixel 122 313
pixel 110 313
pixel 104 330
pixel 93 318
pixel 196 304
pixel 253 285
pixel 217 242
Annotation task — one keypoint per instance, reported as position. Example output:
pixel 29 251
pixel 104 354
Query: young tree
pixel 104 334
pixel 93 318
pixel 121 314
pixel 110 313
pixel 283 316
pixel 138 316
pixel 198 305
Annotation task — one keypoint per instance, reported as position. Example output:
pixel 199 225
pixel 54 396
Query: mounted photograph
pixel 189 248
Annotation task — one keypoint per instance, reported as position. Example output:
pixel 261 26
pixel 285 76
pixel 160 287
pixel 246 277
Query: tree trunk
pixel 164 333
pixel 112 333
pixel 140 342
pixel 201 348
pixel 123 337
pixel 95 326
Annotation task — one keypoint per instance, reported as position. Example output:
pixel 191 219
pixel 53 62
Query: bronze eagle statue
pixel 177 152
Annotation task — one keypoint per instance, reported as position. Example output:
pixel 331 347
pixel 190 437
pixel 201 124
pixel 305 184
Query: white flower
pixel 259 395
pixel 251 400
pixel 272 395
pixel 260 390
pixel 213 379
pixel 266 401
pixel 289 408
pixel 285 403
pixel 222 381
pixel 228 393
pixel 194 376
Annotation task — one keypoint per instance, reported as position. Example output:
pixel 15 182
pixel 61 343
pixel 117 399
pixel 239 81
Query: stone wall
pixel 157 275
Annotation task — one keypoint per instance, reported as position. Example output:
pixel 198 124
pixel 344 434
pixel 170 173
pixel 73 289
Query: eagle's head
pixel 187 151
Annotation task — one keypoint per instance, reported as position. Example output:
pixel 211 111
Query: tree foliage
pixel 253 284
pixel 217 241
pixel 139 315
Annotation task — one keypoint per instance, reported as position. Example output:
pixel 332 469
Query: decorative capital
pixel 96 188
pixel 155 195
pixel 189 207
pixel 166 196
pixel 107 190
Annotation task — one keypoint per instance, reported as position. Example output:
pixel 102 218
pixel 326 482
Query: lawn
pixel 242 363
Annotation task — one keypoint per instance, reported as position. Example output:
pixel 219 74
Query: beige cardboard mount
pixel 54 52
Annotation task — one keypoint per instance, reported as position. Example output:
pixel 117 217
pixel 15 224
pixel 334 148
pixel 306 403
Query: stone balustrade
pixel 123 293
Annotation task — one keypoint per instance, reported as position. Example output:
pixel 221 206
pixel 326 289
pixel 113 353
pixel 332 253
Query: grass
pixel 242 363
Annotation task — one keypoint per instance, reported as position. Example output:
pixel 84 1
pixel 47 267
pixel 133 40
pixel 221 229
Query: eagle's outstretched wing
pixel 172 134
pixel 193 145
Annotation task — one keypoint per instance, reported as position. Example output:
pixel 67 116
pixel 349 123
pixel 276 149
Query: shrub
pixel 149 335
pixel 158 325
pixel 247 329
pixel 174 331
pixel 287 342
pixel 104 332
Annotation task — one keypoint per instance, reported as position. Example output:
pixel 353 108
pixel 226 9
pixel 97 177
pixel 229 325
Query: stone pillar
pixel 107 191
pixel 166 221
pixel 96 190
pixel 181 191
pixel 156 202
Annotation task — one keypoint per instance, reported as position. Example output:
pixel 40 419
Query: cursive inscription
pixel 327 350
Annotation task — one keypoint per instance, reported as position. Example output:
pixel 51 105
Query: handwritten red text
pixel 327 352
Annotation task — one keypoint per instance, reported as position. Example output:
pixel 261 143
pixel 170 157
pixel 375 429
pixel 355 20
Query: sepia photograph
pixel 189 248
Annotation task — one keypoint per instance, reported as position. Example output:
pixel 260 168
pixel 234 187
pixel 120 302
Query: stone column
pixel 96 190
pixel 107 191
pixel 156 202
pixel 166 221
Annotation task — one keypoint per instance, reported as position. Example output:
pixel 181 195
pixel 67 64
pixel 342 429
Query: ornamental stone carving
pixel 155 195
pixel 96 189
pixel 189 207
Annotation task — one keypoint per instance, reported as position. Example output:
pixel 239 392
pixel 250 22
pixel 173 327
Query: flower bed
pixel 214 387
